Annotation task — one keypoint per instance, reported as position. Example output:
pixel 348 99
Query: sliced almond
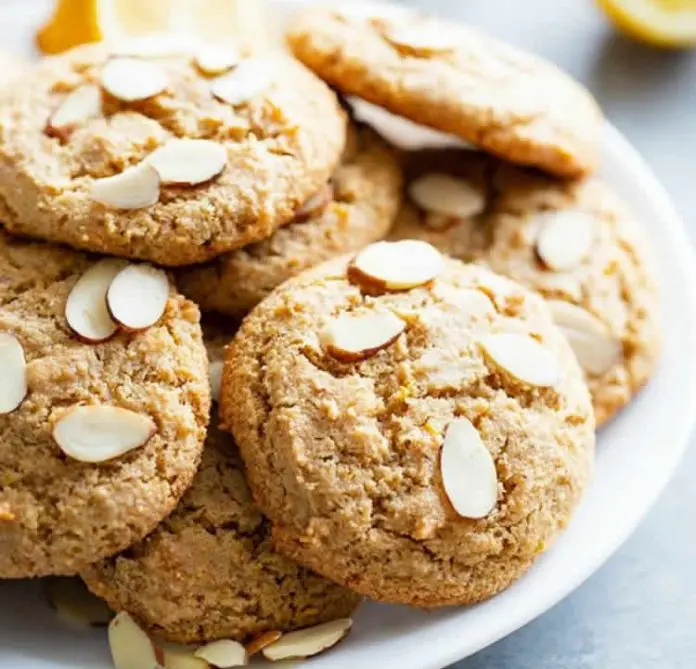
pixel 132 79
pixel 215 378
pixel 135 188
pixel 471 302
pixel 188 162
pixel 395 265
pixel 130 647
pixel 523 358
pixel 316 204
pixel 468 471
pixel 13 373
pixel 75 605
pixel 565 239
pixel 423 38
pixel 181 658
pixel 250 78
pixel 355 338
pixel 308 642
pixel 96 433
pixel 85 309
pixel 217 58
pixel 224 653
pixel 447 195
pixel 80 105
pixel 595 348
pixel 260 642
pixel 158 45
pixel 137 297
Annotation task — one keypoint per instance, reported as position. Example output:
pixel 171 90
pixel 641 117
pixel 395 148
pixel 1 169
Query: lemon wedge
pixel 211 21
pixel 665 23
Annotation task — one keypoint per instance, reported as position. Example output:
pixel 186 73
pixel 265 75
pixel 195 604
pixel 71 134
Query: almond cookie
pixel 102 429
pixel 164 157
pixel 575 243
pixel 416 429
pixel 355 208
pixel 229 582
pixel 455 79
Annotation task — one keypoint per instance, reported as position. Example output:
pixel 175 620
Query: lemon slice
pixel 665 23
pixel 211 21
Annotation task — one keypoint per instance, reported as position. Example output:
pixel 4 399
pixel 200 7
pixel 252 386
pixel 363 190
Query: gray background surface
pixel 639 610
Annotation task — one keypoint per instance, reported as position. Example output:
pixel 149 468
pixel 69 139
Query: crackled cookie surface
pixel 229 583
pixel 574 243
pixel 415 428
pixel 356 207
pixel 454 79
pixel 168 158
pixel 99 440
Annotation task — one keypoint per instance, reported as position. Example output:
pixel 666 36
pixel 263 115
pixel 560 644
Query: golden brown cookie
pixel 99 440
pixel 416 429
pixel 575 243
pixel 454 79
pixel 209 571
pixel 155 158
pixel 355 208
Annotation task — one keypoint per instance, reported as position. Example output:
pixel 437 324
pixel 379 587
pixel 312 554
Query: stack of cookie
pixel 414 417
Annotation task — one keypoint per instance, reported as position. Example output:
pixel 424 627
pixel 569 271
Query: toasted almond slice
pixel 132 79
pixel 447 195
pixel 473 303
pixel 523 358
pixel 158 45
pixel 224 653
pixel 130 647
pixel 13 373
pixel 595 348
pixel 80 105
pixel 316 204
pixel 565 238
pixel 250 78
pixel 135 188
pixel 75 605
pixel 354 338
pixel 217 58
pixel 85 308
pixel 422 38
pixel 96 433
pixel 188 162
pixel 137 297
pixel 181 658
pixel 308 642
pixel 260 642
pixel 385 266
pixel 215 378
pixel 468 471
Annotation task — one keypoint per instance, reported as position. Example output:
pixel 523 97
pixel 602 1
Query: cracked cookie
pixel 355 208
pixel 209 570
pixel 415 428
pixel 575 243
pixel 102 431
pixel 159 157
pixel 455 79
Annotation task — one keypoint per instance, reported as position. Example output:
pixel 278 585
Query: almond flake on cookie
pixel 217 58
pixel 137 296
pixel 523 357
pixel 188 162
pixel 250 78
pixel 396 266
pixel 132 79
pixel 447 195
pixel 98 433
pixel 565 239
pixel 352 338
pixel 130 647
pixel 80 105
pixel 13 368
pixel 223 653
pixel 468 470
pixel 135 188
pixel 308 642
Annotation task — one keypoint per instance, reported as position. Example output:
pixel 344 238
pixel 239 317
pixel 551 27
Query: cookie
pixel 573 242
pixel 100 439
pixel 453 78
pixel 416 429
pixel 12 66
pixel 154 158
pixel 355 208
pixel 209 571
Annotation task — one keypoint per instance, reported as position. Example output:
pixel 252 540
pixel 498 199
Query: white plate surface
pixel 637 453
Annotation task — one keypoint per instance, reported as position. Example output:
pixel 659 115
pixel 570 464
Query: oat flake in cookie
pixel 107 435
pixel 356 207
pixel 573 242
pixel 359 463
pixel 151 158
pixel 229 583
pixel 454 79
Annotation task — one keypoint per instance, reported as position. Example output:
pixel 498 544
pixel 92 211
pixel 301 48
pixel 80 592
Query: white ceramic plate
pixel 636 456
